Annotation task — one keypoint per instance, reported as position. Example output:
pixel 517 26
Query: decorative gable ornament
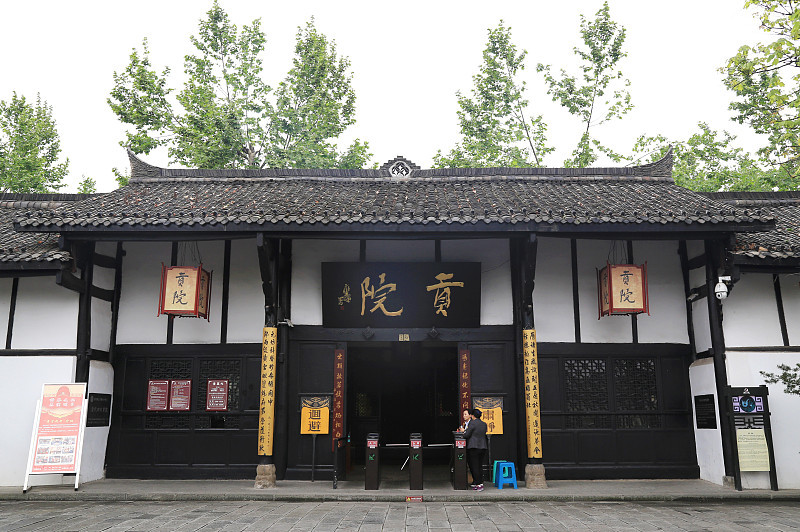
pixel 185 291
pixel 622 289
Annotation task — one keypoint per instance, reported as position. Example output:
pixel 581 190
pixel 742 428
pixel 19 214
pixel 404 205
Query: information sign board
pixel 217 395
pixel 753 450
pixel 180 397
pixel 157 395
pixel 705 411
pixel 315 415
pixel 99 410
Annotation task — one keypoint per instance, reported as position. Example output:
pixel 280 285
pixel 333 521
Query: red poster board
pixel 217 395
pixel 180 396
pixel 58 431
pixel 157 395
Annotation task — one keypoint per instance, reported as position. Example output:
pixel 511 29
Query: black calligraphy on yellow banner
pixel 409 294
pixel 491 413
pixel 266 417
pixel 532 406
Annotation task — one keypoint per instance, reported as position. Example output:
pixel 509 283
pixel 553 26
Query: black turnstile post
pixel 459 461
pixel 372 464
pixel 415 461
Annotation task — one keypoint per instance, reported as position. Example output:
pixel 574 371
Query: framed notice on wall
pixel 58 429
pixel 157 395
pixel 217 395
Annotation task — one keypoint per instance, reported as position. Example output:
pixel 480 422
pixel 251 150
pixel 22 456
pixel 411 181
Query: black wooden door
pixel 185 444
pixel 616 411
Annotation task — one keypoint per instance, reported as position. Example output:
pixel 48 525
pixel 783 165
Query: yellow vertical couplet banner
pixel 532 406
pixel 266 416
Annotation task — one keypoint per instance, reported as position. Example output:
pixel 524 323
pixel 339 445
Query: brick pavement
pixel 332 516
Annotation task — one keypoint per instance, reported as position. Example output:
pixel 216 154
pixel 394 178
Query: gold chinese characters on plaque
pixel 185 291
pixel 622 289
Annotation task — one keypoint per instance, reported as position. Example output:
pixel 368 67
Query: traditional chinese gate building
pixel 400 295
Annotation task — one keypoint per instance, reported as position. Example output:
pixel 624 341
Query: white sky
pixel 409 58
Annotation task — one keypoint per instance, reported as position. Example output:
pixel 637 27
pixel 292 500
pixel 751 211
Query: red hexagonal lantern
pixel 622 289
pixel 185 291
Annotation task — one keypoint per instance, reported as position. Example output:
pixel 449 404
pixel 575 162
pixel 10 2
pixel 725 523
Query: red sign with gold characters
pixel 622 289
pixel 185 291
pixel 217 395
pixel 338 395
pixel 59 430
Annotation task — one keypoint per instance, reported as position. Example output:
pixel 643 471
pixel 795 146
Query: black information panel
pixel 99 412
pixel 705 411
pixel 401 294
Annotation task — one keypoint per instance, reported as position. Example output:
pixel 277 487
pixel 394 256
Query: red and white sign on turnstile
pixel 57 438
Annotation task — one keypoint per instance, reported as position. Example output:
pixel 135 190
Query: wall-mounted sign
pixel 705 411
pixel 752 450
pixel 180 397
pixel 315 415
pixel 217 395
pixel 491 413
pixel 464 380
pixel 157 395
pixel 266 412
pixel 98 412
pixel 531 389
pixel 393 294
pixel 338 395
pixel 622 289
pixel 185 291
pixel 58 431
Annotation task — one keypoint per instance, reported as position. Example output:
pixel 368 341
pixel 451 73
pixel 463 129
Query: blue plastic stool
pixel 507 475
pixel 494 468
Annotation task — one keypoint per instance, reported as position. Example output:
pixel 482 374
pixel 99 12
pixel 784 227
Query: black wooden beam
pixel 173 261
pixel 112 343
pixel 104 261
pixel 634 322
pixel 226 289
pixel 11 310
pixel 84 339
pixel 67 280
pixel 683 254
pixel 266 262
pixel 776 283
pixel 695 262
pixel 576 309
pixel 102 293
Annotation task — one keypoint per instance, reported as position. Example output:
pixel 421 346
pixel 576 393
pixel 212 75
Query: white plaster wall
pixel 307 259
pixel 402 251
pixel 790 293
pixel 743 370
pixel 46 315
pixel 667 320
pixel 592 255
pixel 702 327
pixel 750 314
pixel 141 282
pixel 101 324
pixel 494 256
pixel 198 330
pixel 95 439
pixel 552 293
pixel 24 377
pixel 5 305
pixel 246 297
pixel 708 442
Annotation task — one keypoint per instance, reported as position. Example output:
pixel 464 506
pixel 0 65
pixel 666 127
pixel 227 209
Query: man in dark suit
pixel 476 447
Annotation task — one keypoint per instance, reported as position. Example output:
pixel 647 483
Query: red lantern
pixel 185 291
pixel 622 289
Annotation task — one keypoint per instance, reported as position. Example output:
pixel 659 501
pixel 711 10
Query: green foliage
pixel 121 178
pixel 29 147
pixel 226 115
pixel 709 162
pixel 87 185
pixel 495 131
pixel 766 78
pixel 599 93
pixel 789 377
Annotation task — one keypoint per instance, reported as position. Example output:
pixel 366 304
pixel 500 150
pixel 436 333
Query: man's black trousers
pixel 476 458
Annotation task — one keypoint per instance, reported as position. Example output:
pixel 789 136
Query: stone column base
pixel 265 476
pixel 534 476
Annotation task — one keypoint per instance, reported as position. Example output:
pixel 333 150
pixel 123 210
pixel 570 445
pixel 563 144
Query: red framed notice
pixel 157 395
pixel 180 396
pixel 217 395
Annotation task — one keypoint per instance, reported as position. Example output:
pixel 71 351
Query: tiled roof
pixel 459 199
pixel 17 248
pixel 782 242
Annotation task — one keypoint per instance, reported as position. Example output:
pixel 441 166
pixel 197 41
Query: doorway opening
pixel 398 388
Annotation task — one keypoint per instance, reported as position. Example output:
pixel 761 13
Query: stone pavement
pixel 392 491
pixel 65 516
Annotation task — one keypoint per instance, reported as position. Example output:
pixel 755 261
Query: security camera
pixel 721 289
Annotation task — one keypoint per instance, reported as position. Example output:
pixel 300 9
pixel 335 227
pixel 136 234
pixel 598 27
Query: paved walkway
pixel 243 490
pixel 382 516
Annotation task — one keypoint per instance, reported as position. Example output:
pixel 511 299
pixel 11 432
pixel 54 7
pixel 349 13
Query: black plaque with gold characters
pixel 401 294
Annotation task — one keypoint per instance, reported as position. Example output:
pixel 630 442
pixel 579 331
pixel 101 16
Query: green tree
pixel 708 161
pixel 87 185
pixel 226 116
pixel 599 93
pixel 494 128
pixel 789 377
pixel 766 81
pixel 29 147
